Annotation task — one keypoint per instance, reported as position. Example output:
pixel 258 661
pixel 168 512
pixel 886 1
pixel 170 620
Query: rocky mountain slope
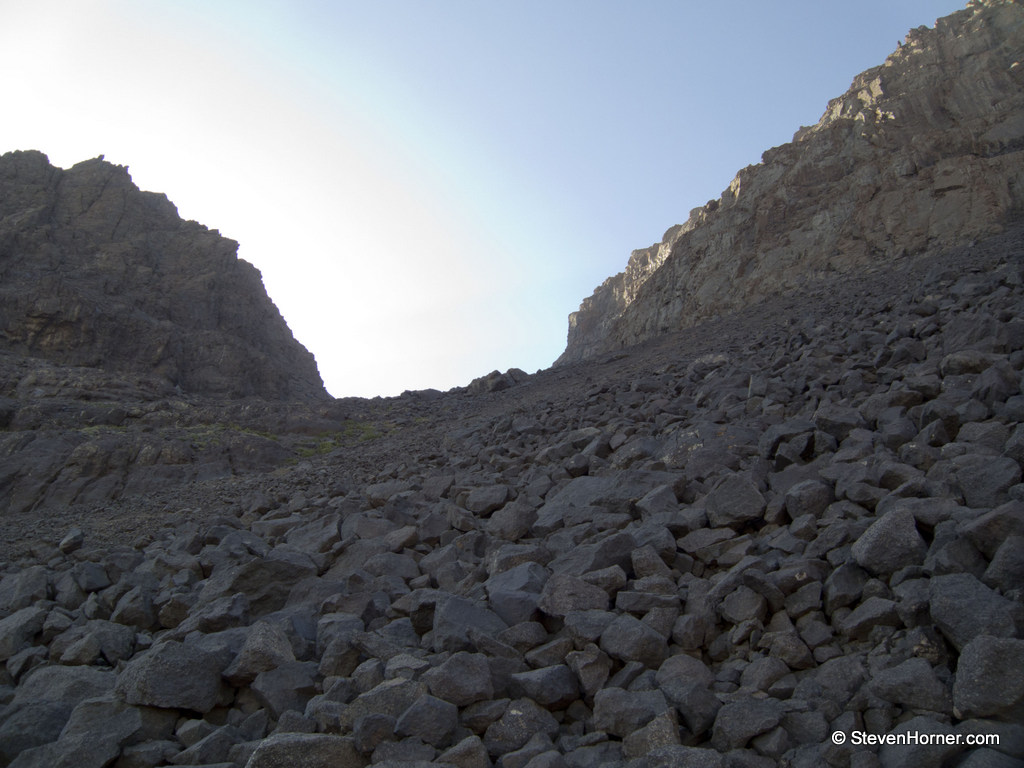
pixel 718 549
pixel 924 151
pixel 791 534
pixel 94 272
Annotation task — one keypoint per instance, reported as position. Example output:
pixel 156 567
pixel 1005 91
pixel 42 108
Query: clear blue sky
pixel 430 188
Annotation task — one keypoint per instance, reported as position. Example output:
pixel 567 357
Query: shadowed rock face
pixel 95 272
pixel 925 151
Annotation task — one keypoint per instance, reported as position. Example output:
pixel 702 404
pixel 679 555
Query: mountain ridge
pixel 923 151
pixel 95 272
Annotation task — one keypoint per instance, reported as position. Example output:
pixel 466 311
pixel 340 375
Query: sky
pixel 429 188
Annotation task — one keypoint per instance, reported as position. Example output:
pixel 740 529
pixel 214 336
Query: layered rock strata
pixel 96 273
pixel 924 151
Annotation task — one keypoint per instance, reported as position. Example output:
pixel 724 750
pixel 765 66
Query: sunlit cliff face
pixel 428 193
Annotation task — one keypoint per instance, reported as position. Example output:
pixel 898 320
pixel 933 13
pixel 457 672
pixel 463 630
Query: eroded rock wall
pixel 95 272
pixel 924 151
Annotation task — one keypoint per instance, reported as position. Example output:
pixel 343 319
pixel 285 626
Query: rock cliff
pixel 925 151
pixel 96 273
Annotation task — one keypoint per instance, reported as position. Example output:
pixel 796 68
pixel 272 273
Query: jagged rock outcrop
pixel 924 151
pixel 94 272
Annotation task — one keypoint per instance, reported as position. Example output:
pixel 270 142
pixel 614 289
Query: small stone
pixel 72 541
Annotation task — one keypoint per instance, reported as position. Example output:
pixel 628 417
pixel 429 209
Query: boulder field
pixel 781 537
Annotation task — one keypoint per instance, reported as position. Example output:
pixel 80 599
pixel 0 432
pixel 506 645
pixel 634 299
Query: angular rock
pixel 630 639
pixel 310 750
pixel 430 720
pixel 990 679
pixel 18 630
pixel 484 501
pixel 553 687
pixel 912 683
pixel 873 612
pixel 266 647
pixel 32 725
pixel 837 420
pixel 890 543
pixel 621 712
pixel 964 608
pixel 733 502
pixel 990 530
pixel 985 480
pixel 740 721
pixel 455 616
pixel 68 686
pixel 462 679
pixel 661 731
pixel 1006 571
pixel 515 594
pixel 286 687
pixel 563 594
pixel 592 668
pixel 468 753
pixel 172 675
pixel 521 720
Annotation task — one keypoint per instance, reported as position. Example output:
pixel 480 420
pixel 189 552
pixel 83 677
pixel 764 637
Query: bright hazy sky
pixel 430 187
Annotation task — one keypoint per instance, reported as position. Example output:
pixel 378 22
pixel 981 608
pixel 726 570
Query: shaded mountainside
pixel 923 152
pixel 94 272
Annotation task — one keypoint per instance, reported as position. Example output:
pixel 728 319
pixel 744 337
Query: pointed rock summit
pixel 923 152
pixel 95 272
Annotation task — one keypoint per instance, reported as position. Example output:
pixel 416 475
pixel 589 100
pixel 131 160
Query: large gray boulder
pixel 172 675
